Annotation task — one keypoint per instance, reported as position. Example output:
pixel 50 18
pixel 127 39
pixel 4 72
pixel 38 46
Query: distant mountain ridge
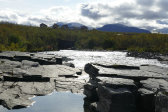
pixel 108 28
pixel 73 25
pixel 121 28
pixel 163 31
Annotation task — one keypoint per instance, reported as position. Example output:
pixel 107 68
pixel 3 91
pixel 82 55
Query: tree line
pixel 16 37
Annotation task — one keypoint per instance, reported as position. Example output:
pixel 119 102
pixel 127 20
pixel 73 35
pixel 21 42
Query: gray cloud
pixel 128 11
pixel 12 16
pixel 39 20
pixel 163 4
pixel 125 11
pixel 92 11
pixel 152 15
pixel 164 22
pixel 4 17
pixel 98 11
pixel 146 2
pixel 9 18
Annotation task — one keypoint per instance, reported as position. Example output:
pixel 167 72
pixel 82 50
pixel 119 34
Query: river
pixel 80 58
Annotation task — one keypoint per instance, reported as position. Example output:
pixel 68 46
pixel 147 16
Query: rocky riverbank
pixel 148 55
pixel 123 88
pixel 111 87
pixel 24 75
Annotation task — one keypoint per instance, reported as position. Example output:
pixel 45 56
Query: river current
pixel 80 58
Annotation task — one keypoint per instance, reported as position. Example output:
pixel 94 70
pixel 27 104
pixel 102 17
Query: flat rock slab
pixel 163 58
pixel 75 86
pixel 41 58
pixel 155 85
pixel 129 72
pixel 39 72
pixel 36 88
pixel 109 65
pixel 12 98
pixel 52 71
pixel 7 65
pixel 144 91
pixel 154 69
pixel 26 63
pixel 17 94
pixel 116 82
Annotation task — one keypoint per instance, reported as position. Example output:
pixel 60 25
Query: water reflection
pixel 57 102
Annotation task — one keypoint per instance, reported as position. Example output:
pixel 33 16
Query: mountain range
pixel 164 30
pixel 121 28
pixel 109 28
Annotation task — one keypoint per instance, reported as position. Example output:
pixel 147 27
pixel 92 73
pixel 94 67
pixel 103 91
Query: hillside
pixel 121 28
pixel 30 38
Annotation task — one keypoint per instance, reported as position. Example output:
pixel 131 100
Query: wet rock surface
pixel 24 75
pixel 123 88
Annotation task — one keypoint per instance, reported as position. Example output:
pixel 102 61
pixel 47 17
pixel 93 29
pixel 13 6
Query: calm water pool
pixel 57 102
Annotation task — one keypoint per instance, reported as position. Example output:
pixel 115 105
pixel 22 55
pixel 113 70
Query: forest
pixel 14 37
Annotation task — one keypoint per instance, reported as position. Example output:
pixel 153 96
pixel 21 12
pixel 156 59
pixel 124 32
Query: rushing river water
pixel 80 58
pixel 68 102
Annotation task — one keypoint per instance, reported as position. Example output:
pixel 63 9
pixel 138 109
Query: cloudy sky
pixel 150 14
